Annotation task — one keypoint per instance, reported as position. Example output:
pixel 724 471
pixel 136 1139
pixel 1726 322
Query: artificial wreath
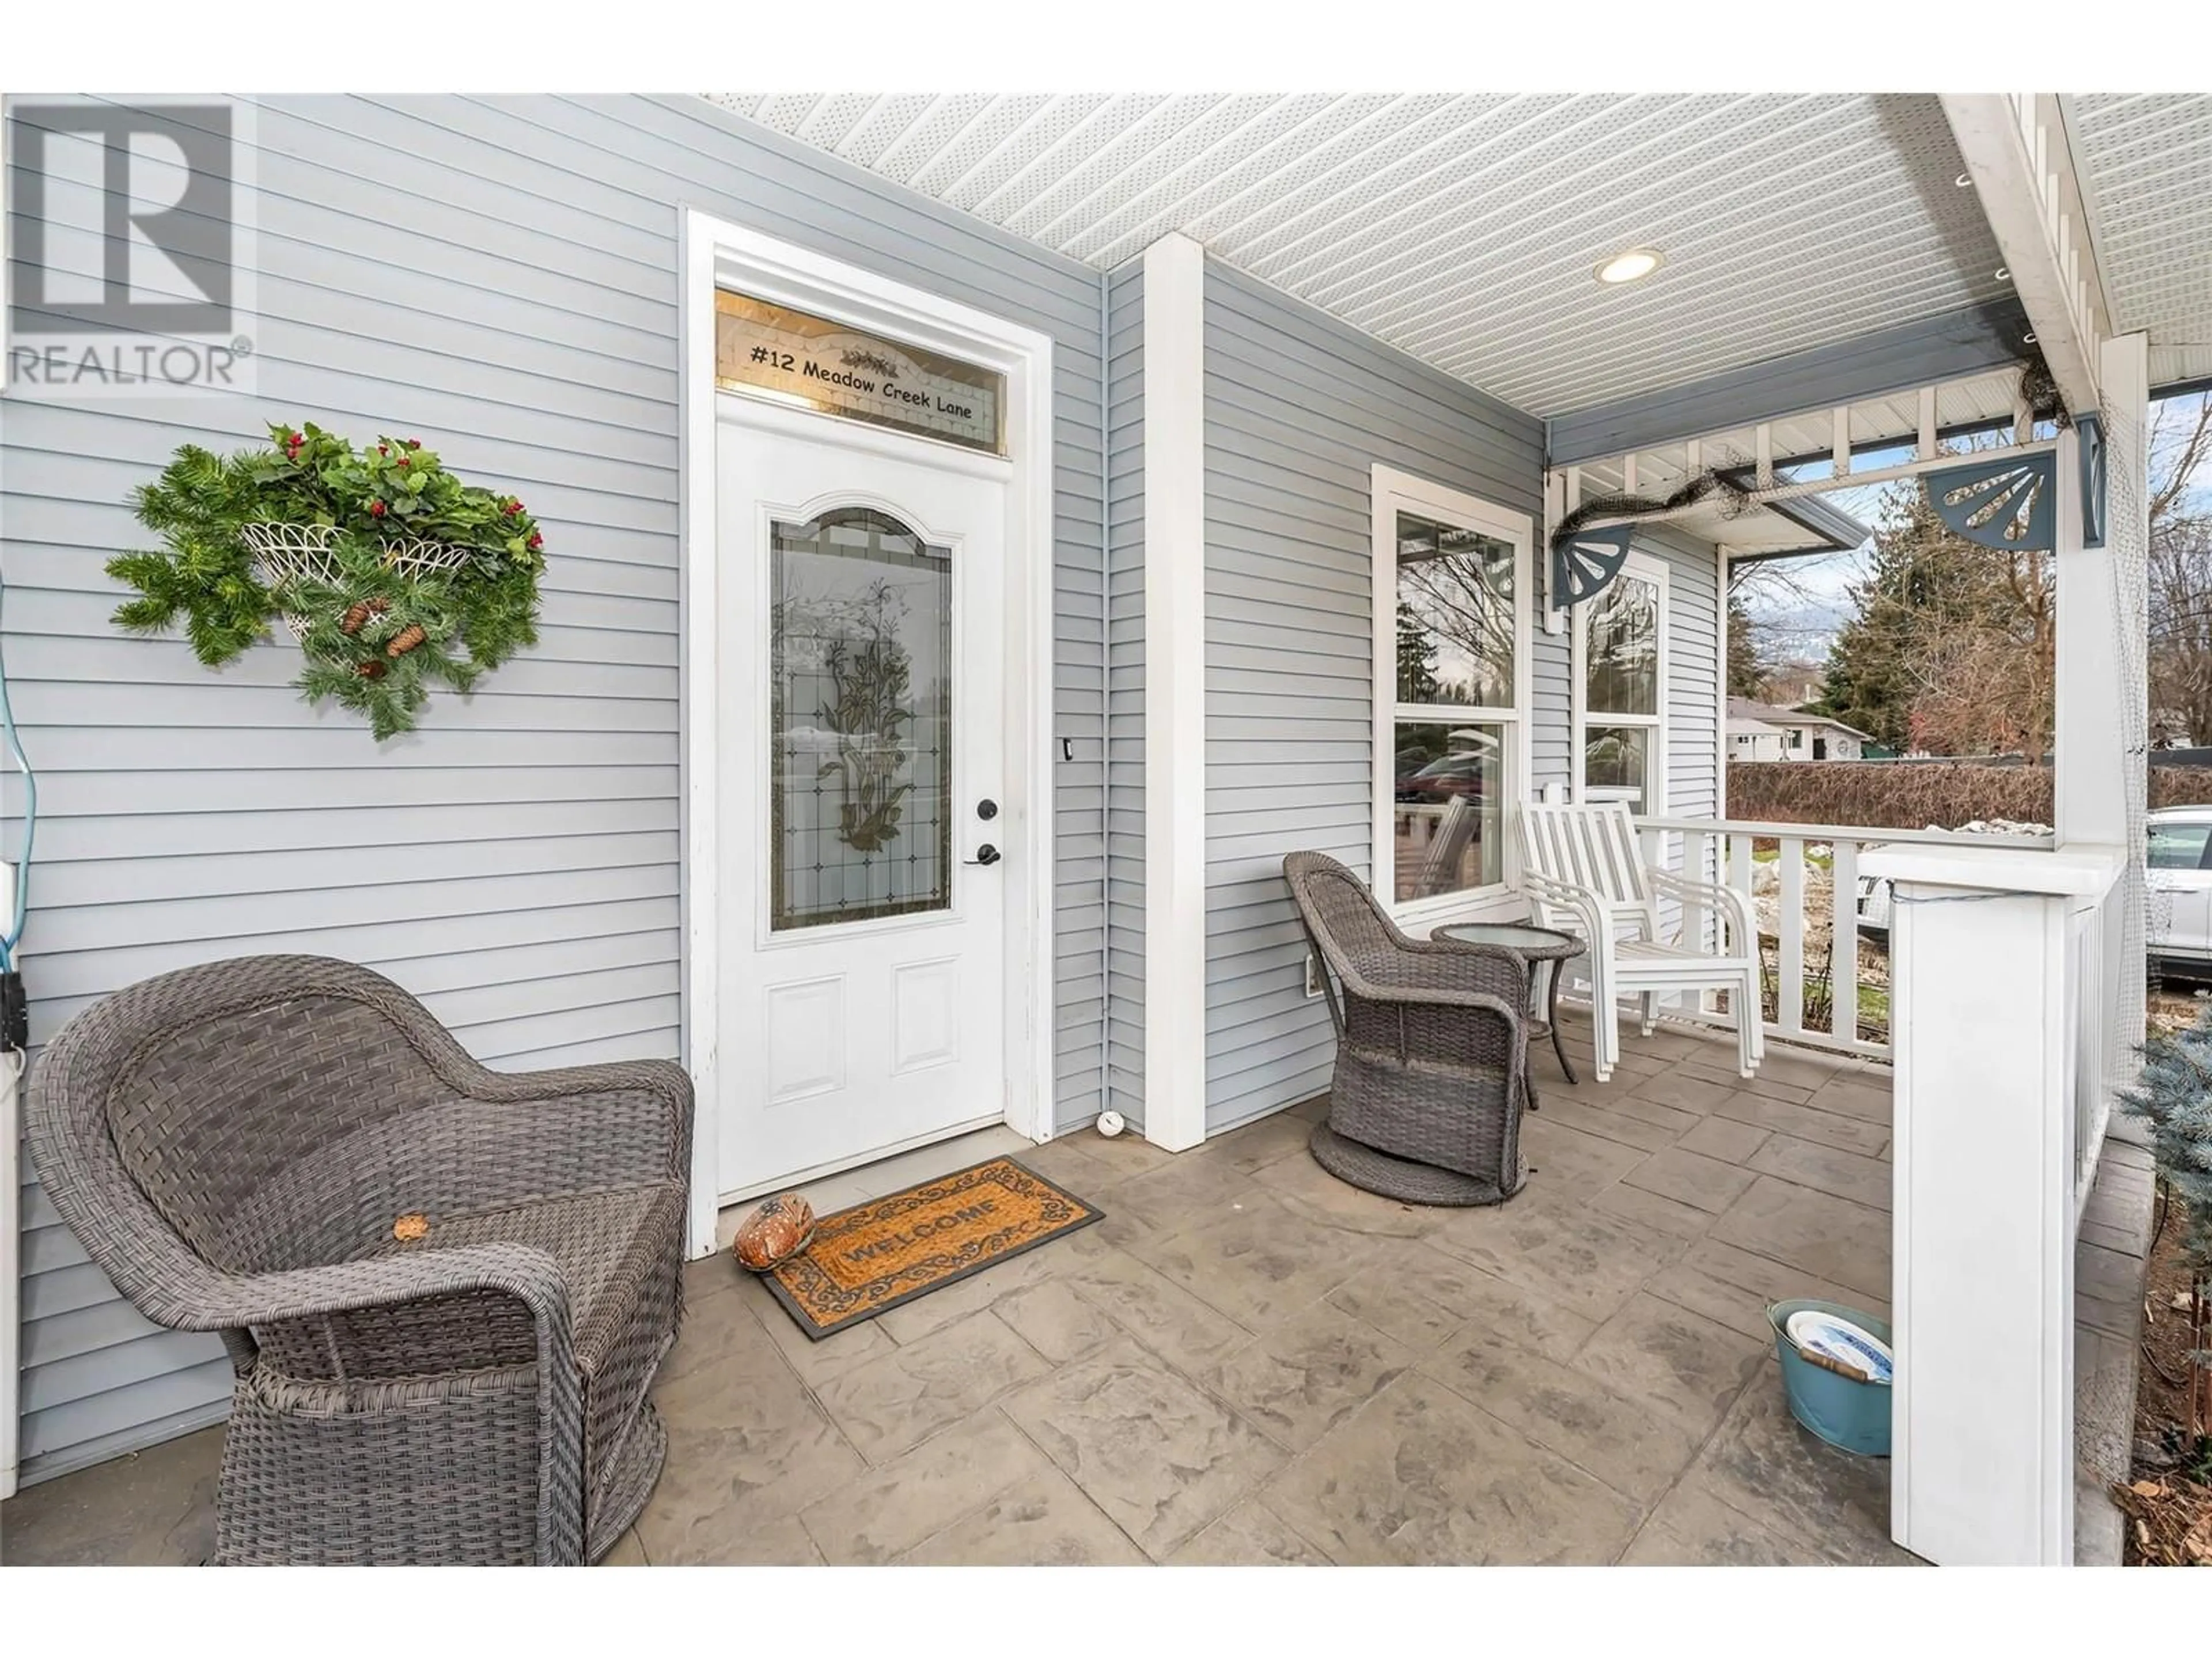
pixel 389 570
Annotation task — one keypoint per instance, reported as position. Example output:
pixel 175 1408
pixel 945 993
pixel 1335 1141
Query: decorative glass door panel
pixel 863 811
pixel 860 720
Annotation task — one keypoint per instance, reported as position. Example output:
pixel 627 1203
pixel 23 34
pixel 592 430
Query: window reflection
pixel 1617 764
pixel 1454 616
pixel 1449 807
pixel 1623 673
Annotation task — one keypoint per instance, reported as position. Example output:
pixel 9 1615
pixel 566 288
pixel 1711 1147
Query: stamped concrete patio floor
pixel 1248 1361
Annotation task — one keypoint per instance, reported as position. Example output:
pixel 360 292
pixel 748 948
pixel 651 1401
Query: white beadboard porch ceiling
pixel 2148 158
pixel 1466 230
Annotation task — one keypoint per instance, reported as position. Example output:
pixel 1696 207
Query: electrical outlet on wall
pixel 1313 974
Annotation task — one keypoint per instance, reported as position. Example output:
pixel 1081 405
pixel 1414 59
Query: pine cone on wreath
pixel 358 613
pixel 371 670
pixel 405 641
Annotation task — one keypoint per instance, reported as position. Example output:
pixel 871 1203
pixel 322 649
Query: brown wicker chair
pixel 1431 1049
pixel 234 1144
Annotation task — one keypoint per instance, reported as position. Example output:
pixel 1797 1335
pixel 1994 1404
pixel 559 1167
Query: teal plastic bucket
pixel 1841 1410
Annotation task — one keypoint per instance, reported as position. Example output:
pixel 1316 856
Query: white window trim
pixel 1659 796
pixel 1395 491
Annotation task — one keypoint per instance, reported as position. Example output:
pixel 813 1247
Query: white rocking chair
pixel 1584 874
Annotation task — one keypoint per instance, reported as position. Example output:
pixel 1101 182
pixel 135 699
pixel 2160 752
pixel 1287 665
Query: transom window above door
pixel 1452 659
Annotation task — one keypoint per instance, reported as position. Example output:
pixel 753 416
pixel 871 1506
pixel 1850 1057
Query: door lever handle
pixel 985 854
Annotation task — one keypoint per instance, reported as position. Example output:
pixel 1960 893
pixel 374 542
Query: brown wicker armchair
pixel 1431 1049
pixel 236 1144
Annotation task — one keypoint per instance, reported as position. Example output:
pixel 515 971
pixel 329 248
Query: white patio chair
pixel 1440 869
pixel 1584 874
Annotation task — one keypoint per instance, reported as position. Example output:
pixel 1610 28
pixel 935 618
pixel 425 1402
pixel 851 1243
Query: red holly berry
pixel 376 509
pixel 414 443
pixel 536 541
pixel 404 461
pixel 381 450
pixel 513 507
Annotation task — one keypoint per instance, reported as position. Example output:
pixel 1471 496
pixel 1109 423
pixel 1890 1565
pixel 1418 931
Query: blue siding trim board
pixel 498 277
pixel 1935 348
pixel 1298 409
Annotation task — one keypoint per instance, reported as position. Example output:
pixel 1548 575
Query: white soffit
pixel 1466 230
pixel 2147 158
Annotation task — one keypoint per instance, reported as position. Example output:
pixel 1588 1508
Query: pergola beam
pixel 2021 168
pixel 1799 489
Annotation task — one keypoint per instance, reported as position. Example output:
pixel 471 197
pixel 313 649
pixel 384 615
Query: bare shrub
pixel 1888 794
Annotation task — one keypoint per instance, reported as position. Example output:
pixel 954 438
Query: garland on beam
pixel 1584 563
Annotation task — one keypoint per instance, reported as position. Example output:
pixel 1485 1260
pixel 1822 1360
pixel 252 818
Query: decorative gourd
pixel 774 1232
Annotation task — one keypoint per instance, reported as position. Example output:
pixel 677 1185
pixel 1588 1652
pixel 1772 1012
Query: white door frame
pixel 715 253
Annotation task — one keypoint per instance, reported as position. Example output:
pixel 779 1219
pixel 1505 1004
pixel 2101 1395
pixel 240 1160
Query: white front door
pixel 863 711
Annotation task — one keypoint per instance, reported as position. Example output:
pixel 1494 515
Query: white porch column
pixel 1174 693
pixel 2102 724
pixel 2102 692
pixel 2124 375
pixel 1989 951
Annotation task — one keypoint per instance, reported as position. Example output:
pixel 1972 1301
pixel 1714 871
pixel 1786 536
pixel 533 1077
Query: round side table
pixel 1538 944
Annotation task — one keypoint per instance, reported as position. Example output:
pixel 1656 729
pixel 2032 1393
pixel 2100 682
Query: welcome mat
pixel 874 1257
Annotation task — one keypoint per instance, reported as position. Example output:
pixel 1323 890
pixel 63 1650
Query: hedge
pixel 1913 794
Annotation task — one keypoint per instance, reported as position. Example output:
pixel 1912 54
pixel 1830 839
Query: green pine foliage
pixel 2174 1093
pixel 472 618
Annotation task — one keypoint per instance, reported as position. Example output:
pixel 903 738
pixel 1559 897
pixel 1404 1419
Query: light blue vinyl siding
pixel 1298 409
pixel 499 277
pixel 1692 670
pixel 1125 724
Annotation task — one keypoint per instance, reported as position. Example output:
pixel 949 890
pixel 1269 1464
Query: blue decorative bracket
pixel 1585 561
pixel 2010 504
pixel 2006 504
pixel 2091 432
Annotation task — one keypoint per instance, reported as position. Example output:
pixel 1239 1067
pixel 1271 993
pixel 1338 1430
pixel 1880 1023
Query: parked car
pixel 1874 910
pixel 2178 870
pixel 1467 771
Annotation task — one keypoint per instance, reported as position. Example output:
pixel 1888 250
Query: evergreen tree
pixel 1925 592
pixel 1744 671
pixel 2175 1094
pixel 1417 658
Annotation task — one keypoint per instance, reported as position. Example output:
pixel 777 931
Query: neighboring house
pixel 1759 732
pixel 1251 551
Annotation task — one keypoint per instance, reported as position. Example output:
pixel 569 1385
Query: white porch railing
pixel 2014 981
pixel 2103 1004
pixel 1809 916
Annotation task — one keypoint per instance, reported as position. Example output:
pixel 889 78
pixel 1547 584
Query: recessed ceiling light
pixel 1630 267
